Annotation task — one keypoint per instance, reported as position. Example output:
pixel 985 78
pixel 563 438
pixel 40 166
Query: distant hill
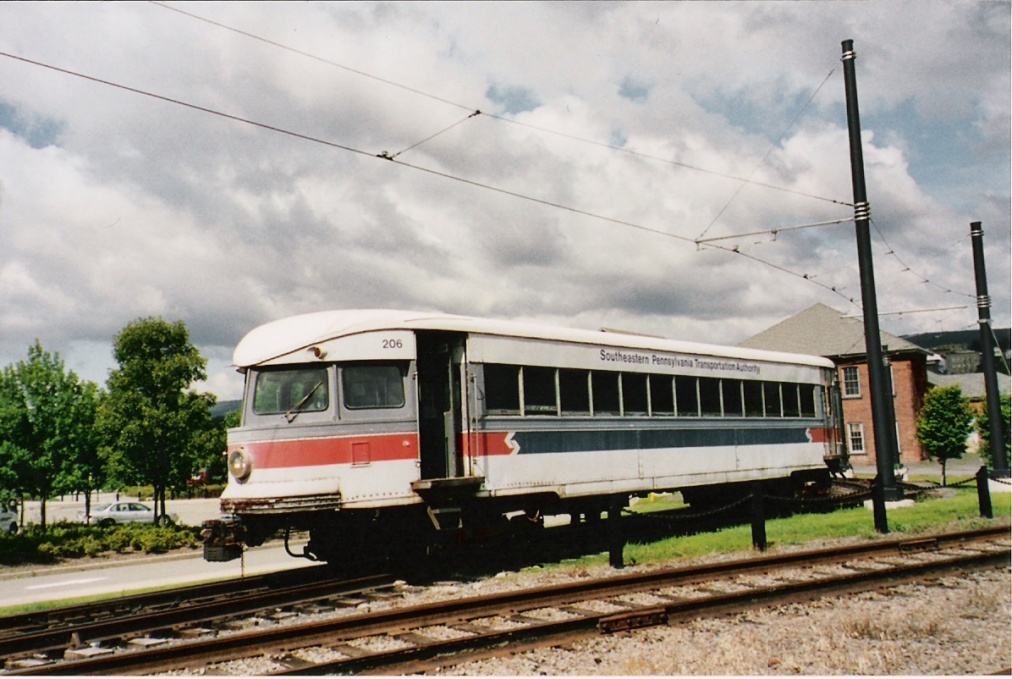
pixel 223 408
pixel 966 338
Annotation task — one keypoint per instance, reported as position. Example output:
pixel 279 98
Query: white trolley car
pixel 377 429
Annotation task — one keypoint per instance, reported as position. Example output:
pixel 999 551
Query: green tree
pixel 984 427
pixel 47 428
pixel 156 425
pixel 213 459
pixel 943 424
pixel 83 468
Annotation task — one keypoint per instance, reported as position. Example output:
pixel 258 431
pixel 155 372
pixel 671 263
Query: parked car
pixel 8 518
pixel 124 512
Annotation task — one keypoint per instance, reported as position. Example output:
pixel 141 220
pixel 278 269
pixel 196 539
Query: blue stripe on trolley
pixel 570 441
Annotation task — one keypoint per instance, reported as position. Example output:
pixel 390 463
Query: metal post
pixel 883 422
pixel 758 517
pixel 999 461
pixel 616 540
pixel 984 494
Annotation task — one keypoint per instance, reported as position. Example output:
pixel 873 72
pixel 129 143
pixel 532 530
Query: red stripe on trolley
pixel 328 451
pixel 819 435
pixel 495 443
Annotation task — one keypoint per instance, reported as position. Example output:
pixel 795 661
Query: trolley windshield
pixel 291 390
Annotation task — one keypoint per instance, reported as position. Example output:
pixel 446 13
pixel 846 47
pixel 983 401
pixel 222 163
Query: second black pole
pixel 996 430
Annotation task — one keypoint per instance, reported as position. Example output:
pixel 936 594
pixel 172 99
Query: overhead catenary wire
pixel 743 181
pixel 804 276
pixel 449 176
pixel 389 156
pixel 767 154
pixel 350 149
pixel 906 268
pixel 501 118
pixel 773 232
pixel 305 137
pixel 915 311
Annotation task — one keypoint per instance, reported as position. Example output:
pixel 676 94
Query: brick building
pixel 823 331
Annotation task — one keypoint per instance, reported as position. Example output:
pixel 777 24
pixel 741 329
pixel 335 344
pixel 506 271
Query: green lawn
pixel 960 512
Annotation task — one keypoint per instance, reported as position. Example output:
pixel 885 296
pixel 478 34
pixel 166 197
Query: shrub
pixel 68 541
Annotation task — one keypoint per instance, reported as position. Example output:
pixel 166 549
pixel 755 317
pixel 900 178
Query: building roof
pixel 971 384
pixel 824 331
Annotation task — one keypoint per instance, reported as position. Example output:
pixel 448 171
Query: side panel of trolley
pixel 521 448
pixel 607 461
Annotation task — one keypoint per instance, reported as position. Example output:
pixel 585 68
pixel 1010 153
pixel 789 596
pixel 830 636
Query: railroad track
pixel 415 638
pixel 13 626
pixel 31 639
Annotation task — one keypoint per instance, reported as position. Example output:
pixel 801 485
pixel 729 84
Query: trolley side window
pixel 662 395
pixel 687 396
pixel 284 391
pixel 731 396
pixel 771 397
pixel 604 390
pixel 372 386
pixel 634 394
pixel 539 391
pixel 792 404
pixel 574 391
pixel 502 389
pixel 753 398
pixel 709 396
pixel 808 396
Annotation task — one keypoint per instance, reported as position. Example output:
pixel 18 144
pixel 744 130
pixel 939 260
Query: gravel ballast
pixel 956 625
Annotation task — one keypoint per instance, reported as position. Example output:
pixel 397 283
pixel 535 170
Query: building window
pixel 855 438
pixel 851 381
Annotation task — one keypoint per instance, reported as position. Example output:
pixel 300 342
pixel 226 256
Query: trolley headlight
pixel 239 464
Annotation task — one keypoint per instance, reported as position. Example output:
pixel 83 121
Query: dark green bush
pixel 70 541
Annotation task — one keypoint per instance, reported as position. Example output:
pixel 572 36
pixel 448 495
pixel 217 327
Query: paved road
pixel 84 578
pixel 32 585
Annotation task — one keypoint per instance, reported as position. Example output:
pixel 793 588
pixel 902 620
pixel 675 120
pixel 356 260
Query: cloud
pixel 116 206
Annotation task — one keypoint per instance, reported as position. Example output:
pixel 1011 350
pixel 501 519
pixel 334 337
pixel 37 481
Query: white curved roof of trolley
pixel 305 338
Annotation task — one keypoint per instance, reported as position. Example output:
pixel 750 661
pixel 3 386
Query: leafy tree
pixel 47 428
pixel 984 427
pixel 83 468
pixel 214 446
pixel 944 423
pixel 156 425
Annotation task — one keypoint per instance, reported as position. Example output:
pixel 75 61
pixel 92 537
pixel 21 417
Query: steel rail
pixel 150 620
pixel 256 642
pixel 22 623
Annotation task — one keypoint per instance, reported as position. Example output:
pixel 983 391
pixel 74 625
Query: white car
pixel 124 512
pixel 8 518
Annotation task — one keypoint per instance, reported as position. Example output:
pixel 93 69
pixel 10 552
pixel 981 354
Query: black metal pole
pixel 758 517
pixel 984 494
pixel 616 539
pixel 999 460
pixel 882 419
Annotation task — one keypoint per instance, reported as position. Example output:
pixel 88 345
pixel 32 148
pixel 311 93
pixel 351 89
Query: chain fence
pixel 842 493
pixel 857 493
pixel 692 516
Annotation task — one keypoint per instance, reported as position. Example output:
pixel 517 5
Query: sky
pixel 636 166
